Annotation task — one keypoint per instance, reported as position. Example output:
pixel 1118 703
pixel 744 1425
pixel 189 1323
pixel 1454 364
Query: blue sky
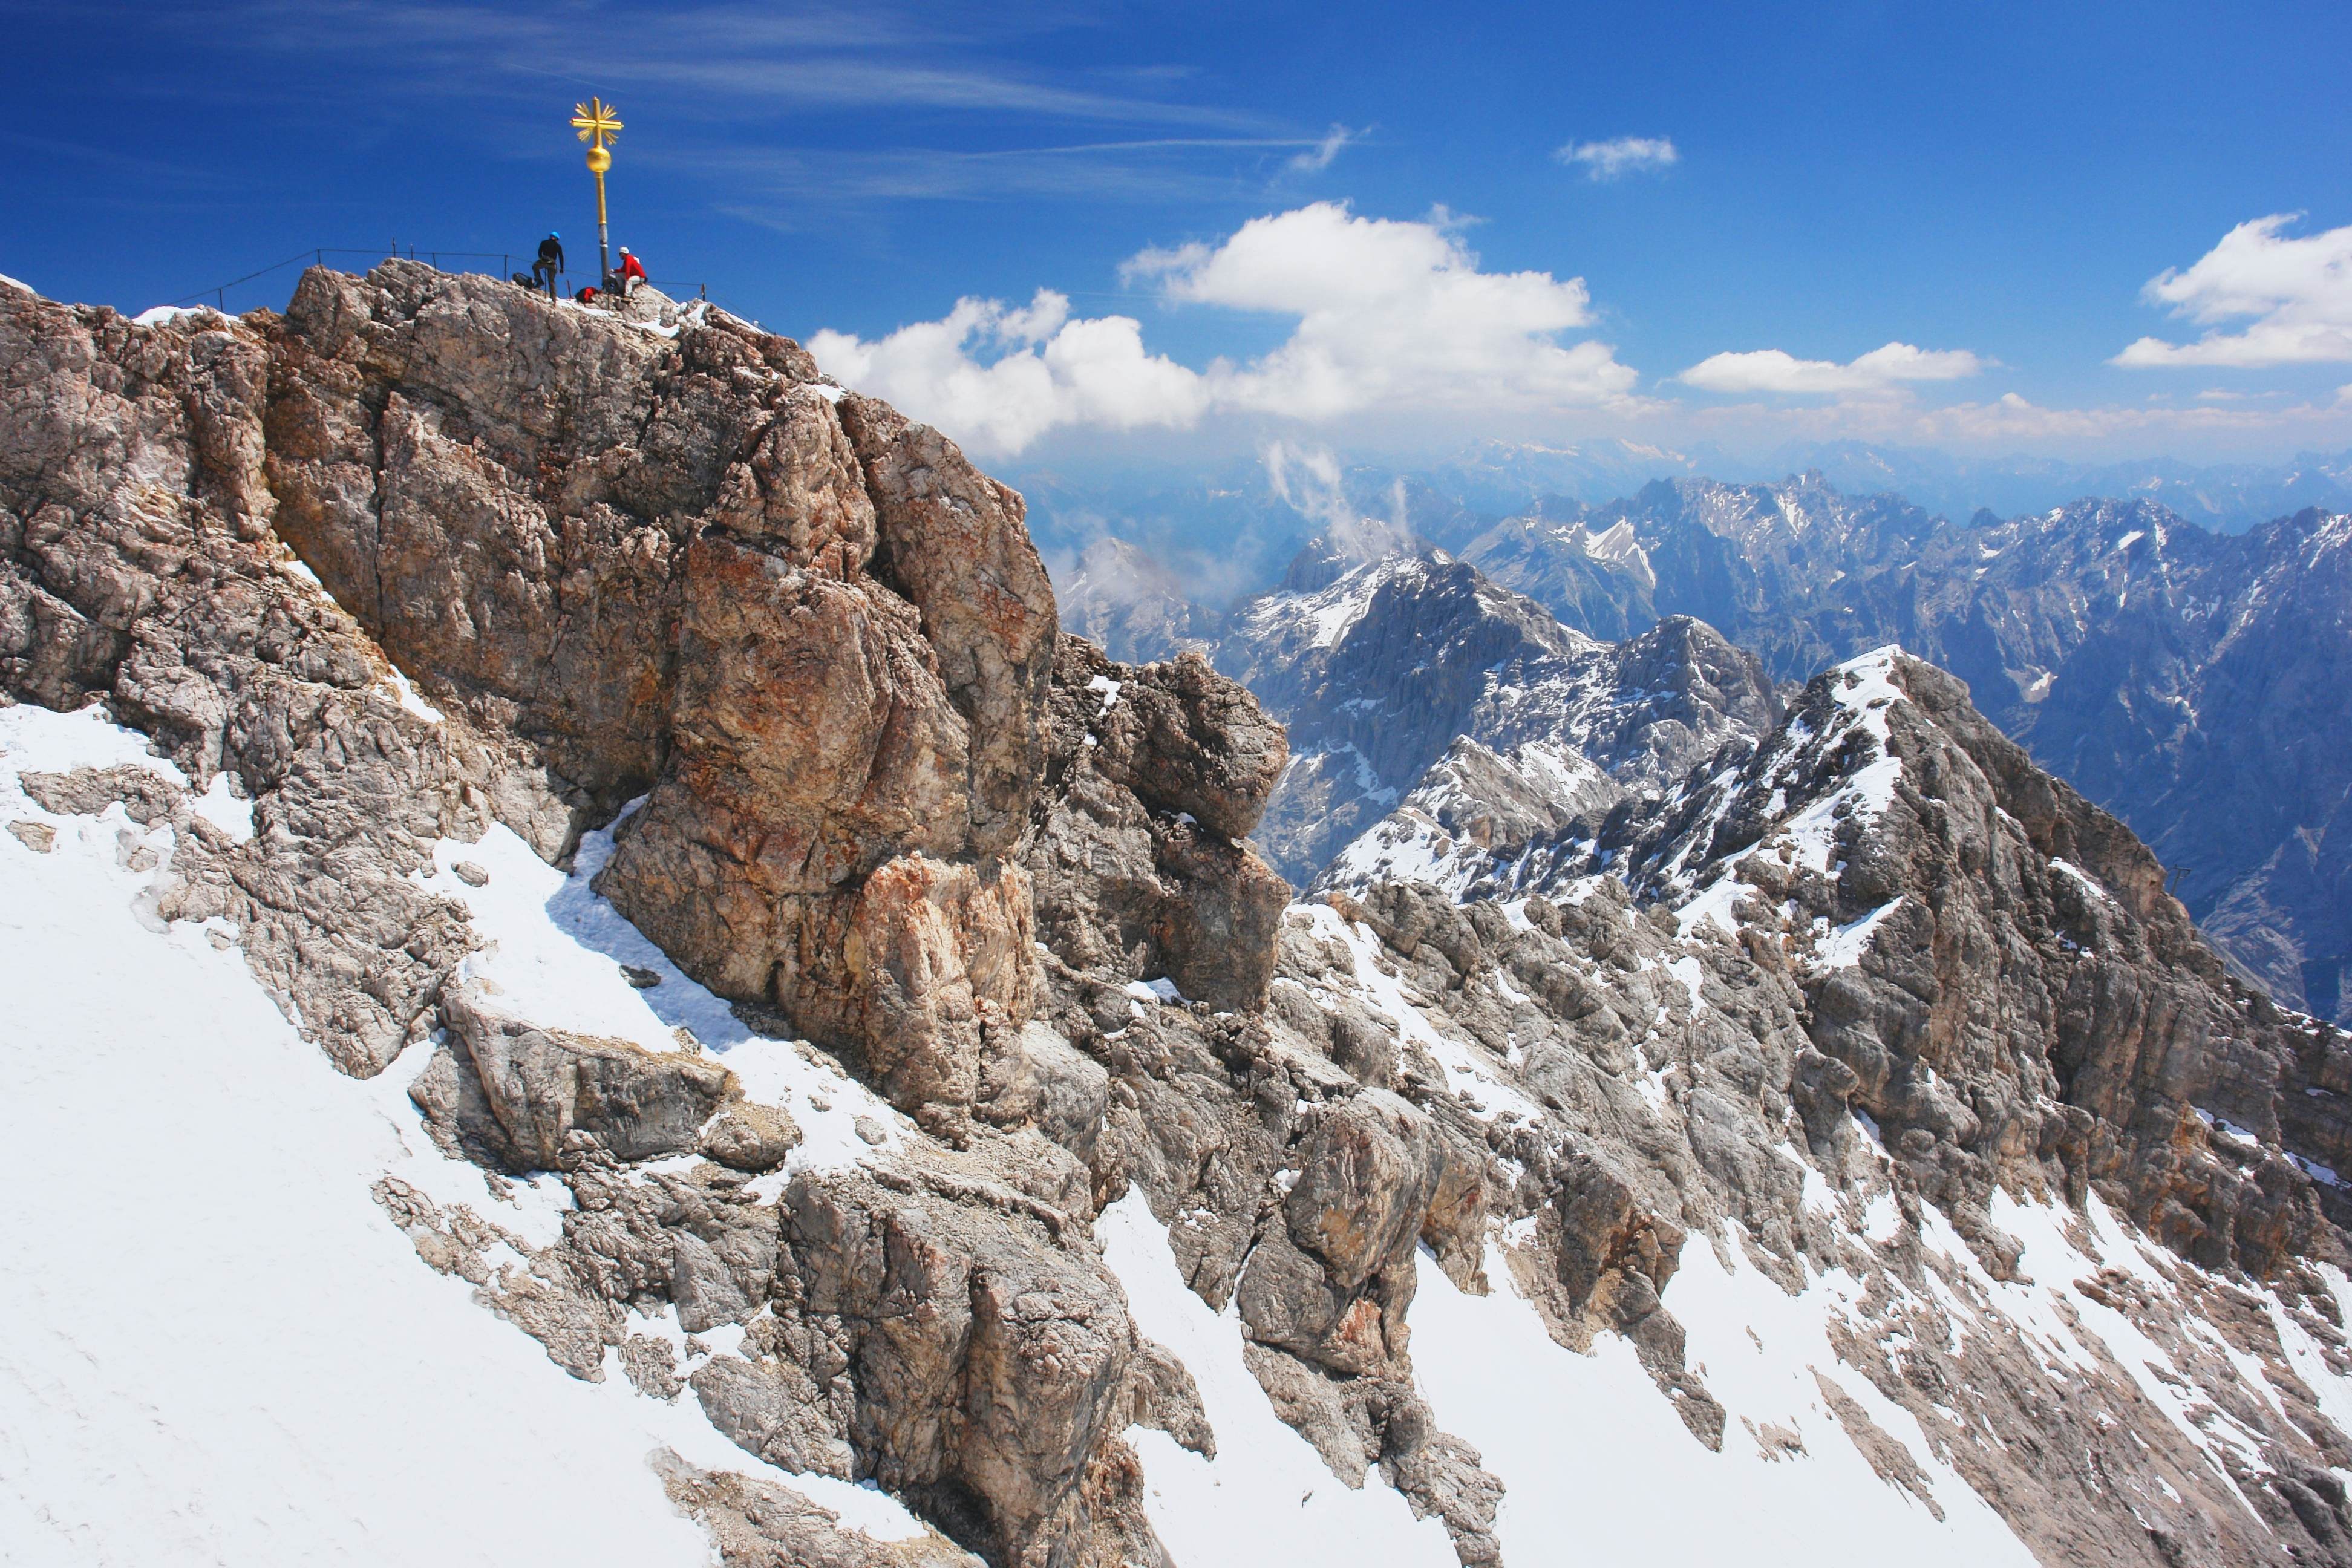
pixel 1386 242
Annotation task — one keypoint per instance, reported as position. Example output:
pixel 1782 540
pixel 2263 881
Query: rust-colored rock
pixel 679 567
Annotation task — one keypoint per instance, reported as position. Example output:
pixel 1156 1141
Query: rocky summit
pixel 826 1076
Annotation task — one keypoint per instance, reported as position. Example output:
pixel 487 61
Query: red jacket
pixel 632 268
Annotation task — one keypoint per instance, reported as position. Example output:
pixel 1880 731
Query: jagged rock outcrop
pixel 1862 986
pixel 619 560
pixel 1997 962
pixel 1000 1405
pixel 1156 776
pixel 2141 657
pixel 137 565
pixel 755 1525
pixel 1649 1093
pixel 1306 1191
pixel 684 565
pixel 512 1093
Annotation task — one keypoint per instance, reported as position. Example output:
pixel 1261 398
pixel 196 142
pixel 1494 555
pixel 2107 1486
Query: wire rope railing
pixel 316 255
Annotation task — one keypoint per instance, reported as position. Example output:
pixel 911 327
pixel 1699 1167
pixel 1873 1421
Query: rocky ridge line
pixel 1574 1087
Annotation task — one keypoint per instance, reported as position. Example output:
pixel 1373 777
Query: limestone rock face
pixel 617 562
pixel 137 564
pixel 953 542
pixel 757 1524
pixel 2026 992
pixel 809 632
pixel 996 1394
pixel 1154 776
pixel 541 1085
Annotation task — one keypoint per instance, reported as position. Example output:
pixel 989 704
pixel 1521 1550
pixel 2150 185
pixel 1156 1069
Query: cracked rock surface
pixel 1864 994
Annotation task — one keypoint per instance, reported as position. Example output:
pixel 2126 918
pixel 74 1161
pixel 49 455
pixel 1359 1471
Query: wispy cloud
pixel 2295 294
pixel 1148 169
pixel 1774 371
pixel 2012 422
pixel 1306 478
pixel 1318 158
pixel 730 58
pixel 1619 155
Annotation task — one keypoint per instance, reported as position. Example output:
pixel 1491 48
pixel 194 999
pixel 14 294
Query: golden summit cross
pixel 598 123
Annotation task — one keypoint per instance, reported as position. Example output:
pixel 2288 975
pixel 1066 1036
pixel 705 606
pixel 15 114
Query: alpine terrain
pixel 2193 683
pixel 593 978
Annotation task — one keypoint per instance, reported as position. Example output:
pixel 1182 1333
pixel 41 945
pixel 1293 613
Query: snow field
pixel 220 1349
pixel 553 954
pixel 1267 1500
pixel 1601 1470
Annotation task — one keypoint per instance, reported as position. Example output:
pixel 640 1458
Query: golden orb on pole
pixel 598 123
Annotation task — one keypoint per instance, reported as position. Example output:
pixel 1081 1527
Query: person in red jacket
pixel 631 273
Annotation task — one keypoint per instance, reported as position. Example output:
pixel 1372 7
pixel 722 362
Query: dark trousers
pixel 543 272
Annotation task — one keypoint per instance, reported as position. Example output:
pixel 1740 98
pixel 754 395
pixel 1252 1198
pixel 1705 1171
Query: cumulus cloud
pixel 1387 315
pixel 1389 312
pixel 1047 368
pixel 1771 370
pixel 1318 158
pixel 2295 293
pixel 1619 155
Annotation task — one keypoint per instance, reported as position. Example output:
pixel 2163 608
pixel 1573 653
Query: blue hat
pixel 552 235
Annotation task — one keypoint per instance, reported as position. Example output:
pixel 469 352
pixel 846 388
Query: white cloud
pixel 1389 315
pixel 1048 371
pixel 1318 158
pixel 2296 292
pixel 1619 155
pixel 2013 418
pixel 1390 312
pixel 1771 370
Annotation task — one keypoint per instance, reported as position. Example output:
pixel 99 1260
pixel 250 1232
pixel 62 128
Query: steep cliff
pixel 813 998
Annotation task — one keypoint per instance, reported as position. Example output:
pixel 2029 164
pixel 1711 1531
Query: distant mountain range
pixel 1232 531
pixel 2196 683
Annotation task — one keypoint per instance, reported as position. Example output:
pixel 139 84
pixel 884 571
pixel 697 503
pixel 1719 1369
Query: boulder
pixel 542 1085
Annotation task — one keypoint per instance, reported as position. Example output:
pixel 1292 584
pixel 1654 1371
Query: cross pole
pixel 598 123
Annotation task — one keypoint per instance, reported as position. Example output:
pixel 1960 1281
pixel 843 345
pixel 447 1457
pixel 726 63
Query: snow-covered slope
pixel 1788 1324
pixel 220 1347
pixel 310 1380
